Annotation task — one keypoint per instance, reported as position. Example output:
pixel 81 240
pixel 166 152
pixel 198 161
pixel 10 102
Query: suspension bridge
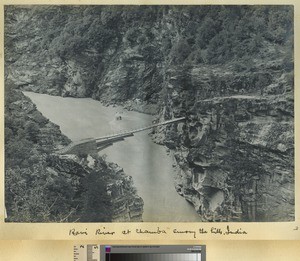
pixel 93 145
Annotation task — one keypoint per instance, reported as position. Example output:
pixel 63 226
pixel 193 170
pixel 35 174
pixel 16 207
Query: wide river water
pixel 148 163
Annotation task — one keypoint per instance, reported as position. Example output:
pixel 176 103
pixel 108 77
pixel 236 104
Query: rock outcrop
pixel 235 151
pixel 237 159
pixel 126 205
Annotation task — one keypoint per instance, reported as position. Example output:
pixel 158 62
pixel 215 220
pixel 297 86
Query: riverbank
pixel 41 186
pixel 148 163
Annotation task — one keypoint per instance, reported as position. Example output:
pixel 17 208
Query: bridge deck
pixel 140 129
pixel 92 142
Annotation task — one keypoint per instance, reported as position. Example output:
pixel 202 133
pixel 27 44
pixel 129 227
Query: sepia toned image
pixel 149 113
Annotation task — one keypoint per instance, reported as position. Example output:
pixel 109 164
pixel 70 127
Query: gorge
pixel 229 70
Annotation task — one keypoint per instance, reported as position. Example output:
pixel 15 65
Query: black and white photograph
pixel 149 113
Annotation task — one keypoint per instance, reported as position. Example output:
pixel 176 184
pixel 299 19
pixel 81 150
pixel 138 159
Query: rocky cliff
pixel 236 158
pixel 227 69
pixel 235 151
pixel 95 182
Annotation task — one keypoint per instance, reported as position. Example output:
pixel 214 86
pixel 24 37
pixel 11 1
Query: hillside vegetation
pixel 42 186
pixel 121 53
pixel 228 69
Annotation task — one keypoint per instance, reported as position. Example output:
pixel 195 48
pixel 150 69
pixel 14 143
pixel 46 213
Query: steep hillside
pixel 119 53
pixel 227 69
pixel 41 186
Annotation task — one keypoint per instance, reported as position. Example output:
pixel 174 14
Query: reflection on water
pixel 147 162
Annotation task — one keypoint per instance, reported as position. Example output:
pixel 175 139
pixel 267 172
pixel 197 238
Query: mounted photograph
pixel 152 113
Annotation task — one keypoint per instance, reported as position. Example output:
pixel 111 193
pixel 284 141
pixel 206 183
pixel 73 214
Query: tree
pixel 96 203
pixel 32 131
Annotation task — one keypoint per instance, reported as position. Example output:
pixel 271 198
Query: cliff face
pixel 236 151
pixel 227 69
pixel 236 159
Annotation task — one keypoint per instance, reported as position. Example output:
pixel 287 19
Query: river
pixel 148 163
